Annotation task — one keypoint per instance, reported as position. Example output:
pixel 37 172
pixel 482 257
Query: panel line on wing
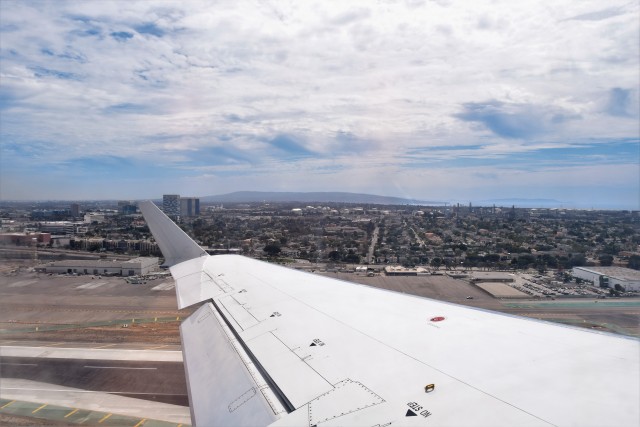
pixel 397 350
pixel 304 360
pixel 238 313
pixel 268 381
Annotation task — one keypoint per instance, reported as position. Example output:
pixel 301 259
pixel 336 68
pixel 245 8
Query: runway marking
pixel 153 348
pixel 115 367
pixel 104 346
pixel 104 418
pixel 91 285
pixel 7 404
pixel 71 413
pixel 140 423
pixel 22 283
pixel 54 344
pixel 91 391
pixel 19 364
pixel 164 286
pixel 36 410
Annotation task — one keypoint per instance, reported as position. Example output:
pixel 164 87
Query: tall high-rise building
pixel 75 209
pixel 126 207
pixel 189 206
pixel 171 204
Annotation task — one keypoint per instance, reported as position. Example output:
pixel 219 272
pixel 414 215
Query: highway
pixel 155 381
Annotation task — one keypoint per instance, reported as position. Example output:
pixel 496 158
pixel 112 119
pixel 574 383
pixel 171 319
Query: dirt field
pixel 93 309
pixel 88 309
pixel 621 316
pixel 443 288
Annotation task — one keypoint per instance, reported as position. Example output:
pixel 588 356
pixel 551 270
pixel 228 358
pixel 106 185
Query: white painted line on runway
pixel 22 283
pixel 19 364
pixel 105 346
pixel 89 391
pixel 114 367
pixel 92 354
pixel 164 286
pixel 91 285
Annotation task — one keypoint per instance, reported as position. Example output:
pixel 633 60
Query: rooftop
pixel 617 272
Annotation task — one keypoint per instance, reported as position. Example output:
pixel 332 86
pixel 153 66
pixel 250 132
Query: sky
pixel 437 100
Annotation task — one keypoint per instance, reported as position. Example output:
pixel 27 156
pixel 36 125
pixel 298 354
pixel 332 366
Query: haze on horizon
pixel 430 100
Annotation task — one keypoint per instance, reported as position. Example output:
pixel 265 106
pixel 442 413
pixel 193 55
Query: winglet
pixel 175 244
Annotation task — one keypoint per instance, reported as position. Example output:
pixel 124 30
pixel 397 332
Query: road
pixel 372 247
pixel 156 381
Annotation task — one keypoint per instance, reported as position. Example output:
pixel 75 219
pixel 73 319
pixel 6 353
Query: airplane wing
pixel 275 346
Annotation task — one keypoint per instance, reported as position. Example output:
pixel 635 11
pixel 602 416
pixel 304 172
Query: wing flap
pixel 195 284
pixel 296 379
pixel 225 388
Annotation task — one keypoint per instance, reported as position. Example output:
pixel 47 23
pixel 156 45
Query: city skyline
pixel 423 100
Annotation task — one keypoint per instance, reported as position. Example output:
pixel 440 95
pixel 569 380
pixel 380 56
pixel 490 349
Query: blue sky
pixel 433 100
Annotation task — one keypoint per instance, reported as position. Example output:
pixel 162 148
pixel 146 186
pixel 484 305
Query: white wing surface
pixel 275 346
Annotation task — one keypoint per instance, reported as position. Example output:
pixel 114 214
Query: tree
pixel 605 260
pixel 634 262
pixel 272 249
pixel 352 257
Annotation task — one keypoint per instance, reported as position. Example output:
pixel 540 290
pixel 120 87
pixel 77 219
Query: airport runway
pixel 155 381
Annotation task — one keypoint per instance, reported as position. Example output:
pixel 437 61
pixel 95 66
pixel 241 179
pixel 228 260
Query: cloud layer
pixel 420 99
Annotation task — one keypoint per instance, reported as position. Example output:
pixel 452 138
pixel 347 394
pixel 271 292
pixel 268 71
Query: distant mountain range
pixel 524 203
pixel 312 197
pixel 344 197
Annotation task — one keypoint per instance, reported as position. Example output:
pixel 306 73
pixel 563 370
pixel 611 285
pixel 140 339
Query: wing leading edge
pixel 308 350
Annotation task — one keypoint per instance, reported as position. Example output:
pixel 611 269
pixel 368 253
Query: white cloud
pixel 360 85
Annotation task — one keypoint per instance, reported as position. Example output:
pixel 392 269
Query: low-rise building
pixel 57 227
pixel 133 267
pixel 403 271
pixel 626 278
pixel 491 276
pixel 25 239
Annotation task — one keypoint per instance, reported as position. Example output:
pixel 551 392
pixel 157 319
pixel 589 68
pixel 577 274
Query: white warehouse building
pixel 626 278
pixel 134 267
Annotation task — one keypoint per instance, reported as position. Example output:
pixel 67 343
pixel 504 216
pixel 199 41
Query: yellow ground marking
pixel 179 425
pixel 7 342
pixel 153 348
pixel 104 346
pixel 104 418
pixel 54 344
pixel 36 410
pixel 71 413
pixel 140 423
pixel 7 404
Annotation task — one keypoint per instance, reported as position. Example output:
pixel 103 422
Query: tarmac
pixel 102 351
